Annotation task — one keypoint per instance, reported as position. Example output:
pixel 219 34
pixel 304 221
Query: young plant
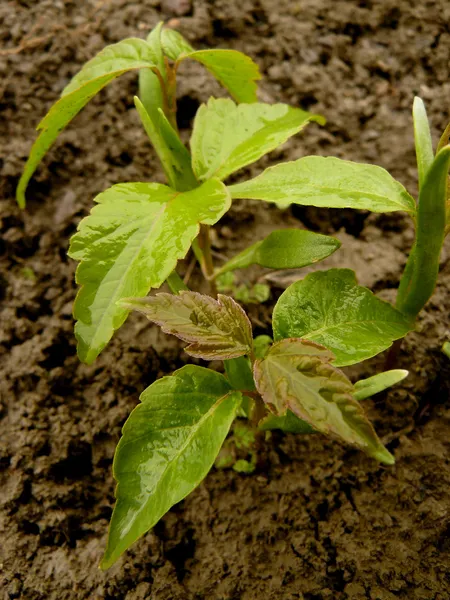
pixel 134 236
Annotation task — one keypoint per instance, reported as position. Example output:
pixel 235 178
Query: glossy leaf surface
pixel 329 182
pixel 422 138
pixel 234 70
pixel 285 249
pixel 419 278
pixel 296 375
pixel 330 308
pixel 215 329
pixel 130 243
pixel 111 62
pixel 378 383
pixel 150 91
pixel 227 137
pixel 168 445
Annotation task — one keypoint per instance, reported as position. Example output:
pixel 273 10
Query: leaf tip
pixel 383 455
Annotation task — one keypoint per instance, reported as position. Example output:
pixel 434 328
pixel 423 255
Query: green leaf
pixel 239 374
pixel 261 345
pixel 329 308
pixel 150 91
pixel 288 423
pixel 378 383
pixel 174 44
pixel 329 182
pixel 111 62
pixel 227 137
pixel 446 349
pixel 296 375
pixel 172 153
pixel 168 445
pixel 284 249
pixel 420 275
pixel 130 243
pixel 422 137
pixel 215 329
pixel 234 70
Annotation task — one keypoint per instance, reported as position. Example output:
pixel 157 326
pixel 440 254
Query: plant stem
pixel 208 265
pixel 391 359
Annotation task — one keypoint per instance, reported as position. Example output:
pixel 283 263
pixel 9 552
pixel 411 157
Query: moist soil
pixel 316 521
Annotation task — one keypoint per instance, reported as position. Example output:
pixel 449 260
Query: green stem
pixel 208 265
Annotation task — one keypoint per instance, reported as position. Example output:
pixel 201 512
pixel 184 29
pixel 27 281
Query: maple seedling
pixel 134 237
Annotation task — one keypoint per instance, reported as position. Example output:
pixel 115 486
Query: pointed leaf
pixel 227 137
pixel 378 383
pixel 329 182
pixel 150 91
pixel 288 423
pixel 111 62
pixel 174 156
pixel 284 249
pixel 168 445
pixel 234 70
pixel 329 308
pixel 296 375
pixel 215 329
pixel 420 275
pixel 422 138
pixel 130 243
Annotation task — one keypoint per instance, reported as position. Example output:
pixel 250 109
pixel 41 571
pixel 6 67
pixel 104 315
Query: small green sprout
pixel 135 235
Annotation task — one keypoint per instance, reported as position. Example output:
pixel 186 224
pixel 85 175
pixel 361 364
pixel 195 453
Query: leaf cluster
pixel 133 238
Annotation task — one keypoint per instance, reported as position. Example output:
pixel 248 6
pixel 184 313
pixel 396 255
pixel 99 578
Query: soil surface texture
pixel 318 521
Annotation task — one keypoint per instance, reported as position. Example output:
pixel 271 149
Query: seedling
pixel 132 240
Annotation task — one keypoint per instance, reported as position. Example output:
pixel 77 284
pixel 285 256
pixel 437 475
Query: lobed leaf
pixel 378 383
pixel 234 70
pixel 130 243
pixel 284 249
pixel 296 375
pixel 111 62
pixel 330 308
pixel 215 329
pixel 168 445
pixel 227 137
pixel 329 182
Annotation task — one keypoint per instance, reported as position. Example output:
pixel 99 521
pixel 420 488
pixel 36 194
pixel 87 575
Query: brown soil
pixel 319 522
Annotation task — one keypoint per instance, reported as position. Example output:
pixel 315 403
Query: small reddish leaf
pixel 297 375
pixel 215 329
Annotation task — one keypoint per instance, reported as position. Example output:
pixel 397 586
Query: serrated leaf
pixel 288 423
pixel 215 329
pixel 168 445
pixel 234 70
pixel 297 375
pixel 330 308
pixel 111 62
pixel 284 249
pixel 329 182
pixel 227 137
pixel 422 139
pixel 130 243
pixel 365 388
